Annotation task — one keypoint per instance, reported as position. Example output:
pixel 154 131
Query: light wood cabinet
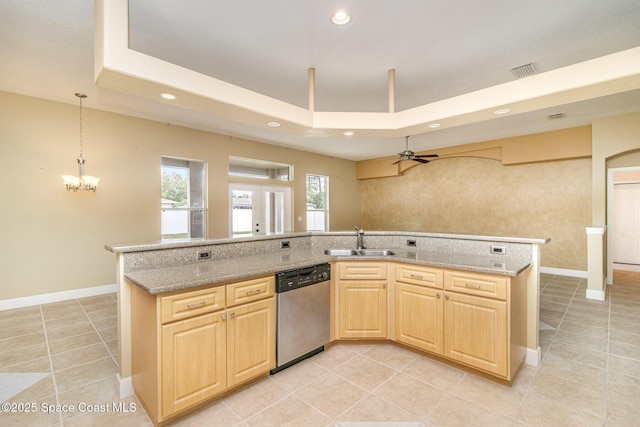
pixel 363 309
pixel 189 346
pixel 419 307
pixel 193 361
pixel 485 321
pixel 362 299
pixel 473 318
pixel 419 317
pixel 476 332
pixel 357 270
pixel 251 341
pixel 476 320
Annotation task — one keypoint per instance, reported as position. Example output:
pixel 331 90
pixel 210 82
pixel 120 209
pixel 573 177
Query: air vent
pixel 525 70
pixel 556 116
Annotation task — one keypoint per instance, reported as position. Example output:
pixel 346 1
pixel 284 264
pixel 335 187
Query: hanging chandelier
pixel 80 181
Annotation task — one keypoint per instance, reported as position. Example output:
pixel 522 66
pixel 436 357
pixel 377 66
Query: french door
pixel 259 209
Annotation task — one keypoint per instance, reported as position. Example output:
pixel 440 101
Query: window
pixel 184 198
pixel 317 203
pixel 259 169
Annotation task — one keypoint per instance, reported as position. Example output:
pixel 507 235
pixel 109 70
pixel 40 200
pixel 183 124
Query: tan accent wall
pixel 562 144
pixel 53 240
pixel 482 196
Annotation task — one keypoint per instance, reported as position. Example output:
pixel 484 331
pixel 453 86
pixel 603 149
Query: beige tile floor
pixel 590 373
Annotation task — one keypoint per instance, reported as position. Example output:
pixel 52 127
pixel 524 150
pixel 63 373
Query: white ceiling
pixel 439 49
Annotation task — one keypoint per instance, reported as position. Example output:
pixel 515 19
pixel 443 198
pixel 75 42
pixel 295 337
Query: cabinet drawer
pixel 476 284
pixel 191 303
pixel 250 290
pixel 362 270
pixel 418 275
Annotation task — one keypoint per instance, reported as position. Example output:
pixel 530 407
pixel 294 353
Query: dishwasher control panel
pixel 301 277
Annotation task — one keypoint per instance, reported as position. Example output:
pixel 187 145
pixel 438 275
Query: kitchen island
pixel 161 267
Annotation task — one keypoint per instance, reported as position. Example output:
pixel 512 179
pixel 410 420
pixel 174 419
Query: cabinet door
pixel 251 340
pixel 419 316
pixel 475 332
pixel 363 309
pixel 193 361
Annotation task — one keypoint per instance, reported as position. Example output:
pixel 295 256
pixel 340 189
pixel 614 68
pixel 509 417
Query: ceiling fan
pixel 410 155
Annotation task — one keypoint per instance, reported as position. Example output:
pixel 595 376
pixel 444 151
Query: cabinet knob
pixel 224 317
pixel 438 296
pixel 446 297
pixel 233 314
pixel 384 286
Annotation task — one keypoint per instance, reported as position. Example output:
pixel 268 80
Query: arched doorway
pixel 623 213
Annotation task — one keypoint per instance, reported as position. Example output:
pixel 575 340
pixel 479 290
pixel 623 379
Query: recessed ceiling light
pixel 273 124
pixel 502 111
pixel 348 133
pixel 434 125
pixel 168 95
pixel 340 17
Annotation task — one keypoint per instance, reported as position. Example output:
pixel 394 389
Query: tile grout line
pixel 53 374
pixel 98 332
pixel 606 367
pixel 551 341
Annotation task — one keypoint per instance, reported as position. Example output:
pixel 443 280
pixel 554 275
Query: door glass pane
pixel 242 212
pixel 275 212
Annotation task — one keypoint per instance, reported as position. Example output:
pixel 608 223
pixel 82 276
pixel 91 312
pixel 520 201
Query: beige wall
pixel 482 196
pixel 616 143
pixel 53 240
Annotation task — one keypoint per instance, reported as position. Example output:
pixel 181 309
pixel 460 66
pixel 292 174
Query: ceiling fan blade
pixel 397 161
pixel 427 155
pixel 416 159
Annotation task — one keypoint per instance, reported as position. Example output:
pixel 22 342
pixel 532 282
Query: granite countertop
pixel 210 272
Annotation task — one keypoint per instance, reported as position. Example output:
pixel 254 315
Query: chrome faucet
pixel 359 238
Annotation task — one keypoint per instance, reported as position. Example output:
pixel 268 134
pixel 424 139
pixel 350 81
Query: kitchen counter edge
pixel 183 277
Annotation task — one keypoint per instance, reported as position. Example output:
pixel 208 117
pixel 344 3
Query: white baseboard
pixel 595 295
pixel 9 304
pixel 626 267
pixel 533 357
pixel 125 386
pixel 564 272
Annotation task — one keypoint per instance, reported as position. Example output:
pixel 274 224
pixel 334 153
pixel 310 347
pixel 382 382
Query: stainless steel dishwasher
pixel 303 313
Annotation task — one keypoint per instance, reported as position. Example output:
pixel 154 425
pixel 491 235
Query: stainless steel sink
pixel 341 252
pixel 375 252
pixel 359 252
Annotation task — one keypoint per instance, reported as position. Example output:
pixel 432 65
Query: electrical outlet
pixel 500 250
pixel 285 245
pixel 204 254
